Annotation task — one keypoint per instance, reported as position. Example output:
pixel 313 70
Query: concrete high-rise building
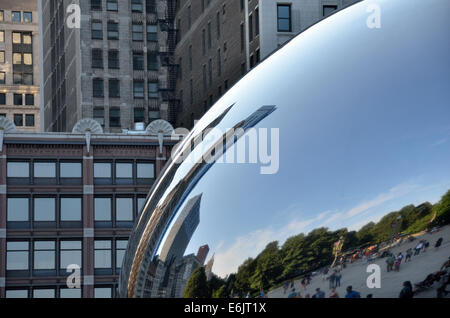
pixel 19 63
pixel 71 198
pixel 202 253
pixel 221 40
pixel 115 67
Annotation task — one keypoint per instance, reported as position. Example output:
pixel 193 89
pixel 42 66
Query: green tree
pixel 197 286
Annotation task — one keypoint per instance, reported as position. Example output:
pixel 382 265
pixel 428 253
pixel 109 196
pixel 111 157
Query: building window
pixel 250 28
pixel 204 78
pixel 219 63
pixel 70 209
pixel 190 57
pixel 150 6
pixel 2 77
pixel 256 21
pixel 242 4
pixel 138 89
pixel 284 18
pixel 70 293
pixel 204 42
pixel 44 293
pixel 2 56
pixel 99 115
pixel 145 170
pixel 16 16
pixel 44 169
pixel 18 99
pixel 17 210
pixel 102 209
pixel 218 25
pixel 113 59
pixel 2 36
pixel 97 31
pixel 102 292
pixel 44 255
pixel 97 87
pixel 16 293
pixel 139 115
pixel 97 58
pixel 2 15
pixel 29 120
pixel 137 32
pixel 153 90
pixel 44 209
pixel 152 33
pixel 328 9
pixel 114 117
pixel 29 99
pixel 113 30
pixel 124 170
pixel 96 4
pixel 242 38
pixel 138 60
pixel 121 246
pixel 152 61
pixel 209 35
pixel 17 256
pixel 18 169
pixel 114 88
pixel 210 71
pixel 136 6
pixel 70 253
pixel 27 17
pixel 2 99
pixel 111 5
pixel 18 120
pixel 102 257
pixel 124 209
pixel 102 170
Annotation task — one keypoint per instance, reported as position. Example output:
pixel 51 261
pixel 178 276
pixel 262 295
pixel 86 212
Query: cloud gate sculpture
pixel 331 155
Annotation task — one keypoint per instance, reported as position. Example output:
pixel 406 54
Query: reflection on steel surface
pixel 364 160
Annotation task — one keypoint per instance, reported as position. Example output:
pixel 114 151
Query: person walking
pixel 390 262
pixel 407 290
pixel 418 248
pixel 438 243
pixel 293 294
pixel 408 255
pixel 332 279
pixel 303 283
pixel 338 280
pixel 351 293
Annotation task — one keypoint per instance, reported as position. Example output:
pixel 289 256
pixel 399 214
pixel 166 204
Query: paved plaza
pixel 391 282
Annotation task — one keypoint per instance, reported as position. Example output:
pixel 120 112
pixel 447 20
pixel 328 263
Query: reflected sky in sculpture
pixel 363 117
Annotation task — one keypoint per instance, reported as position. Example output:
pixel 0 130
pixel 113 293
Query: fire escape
pixel 168 88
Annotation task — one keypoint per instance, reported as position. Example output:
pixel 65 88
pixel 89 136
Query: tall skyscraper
pixel 19 63
pixel 202 253
pixel 114 67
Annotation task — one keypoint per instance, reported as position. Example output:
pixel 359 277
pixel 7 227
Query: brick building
pixel 71 198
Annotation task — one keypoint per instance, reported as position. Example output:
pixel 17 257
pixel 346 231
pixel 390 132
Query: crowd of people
pixel 393 262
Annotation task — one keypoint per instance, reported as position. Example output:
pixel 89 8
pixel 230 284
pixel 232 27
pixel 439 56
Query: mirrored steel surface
pixel 343 125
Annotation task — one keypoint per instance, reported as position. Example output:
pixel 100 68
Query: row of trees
pixel 302 253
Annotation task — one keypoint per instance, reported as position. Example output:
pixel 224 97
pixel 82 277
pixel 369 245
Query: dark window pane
pixel 29 120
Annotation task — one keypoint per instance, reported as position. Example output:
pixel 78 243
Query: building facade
pixel 19 63
pixel 220 41
pixel 113 66
pixel 71 198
